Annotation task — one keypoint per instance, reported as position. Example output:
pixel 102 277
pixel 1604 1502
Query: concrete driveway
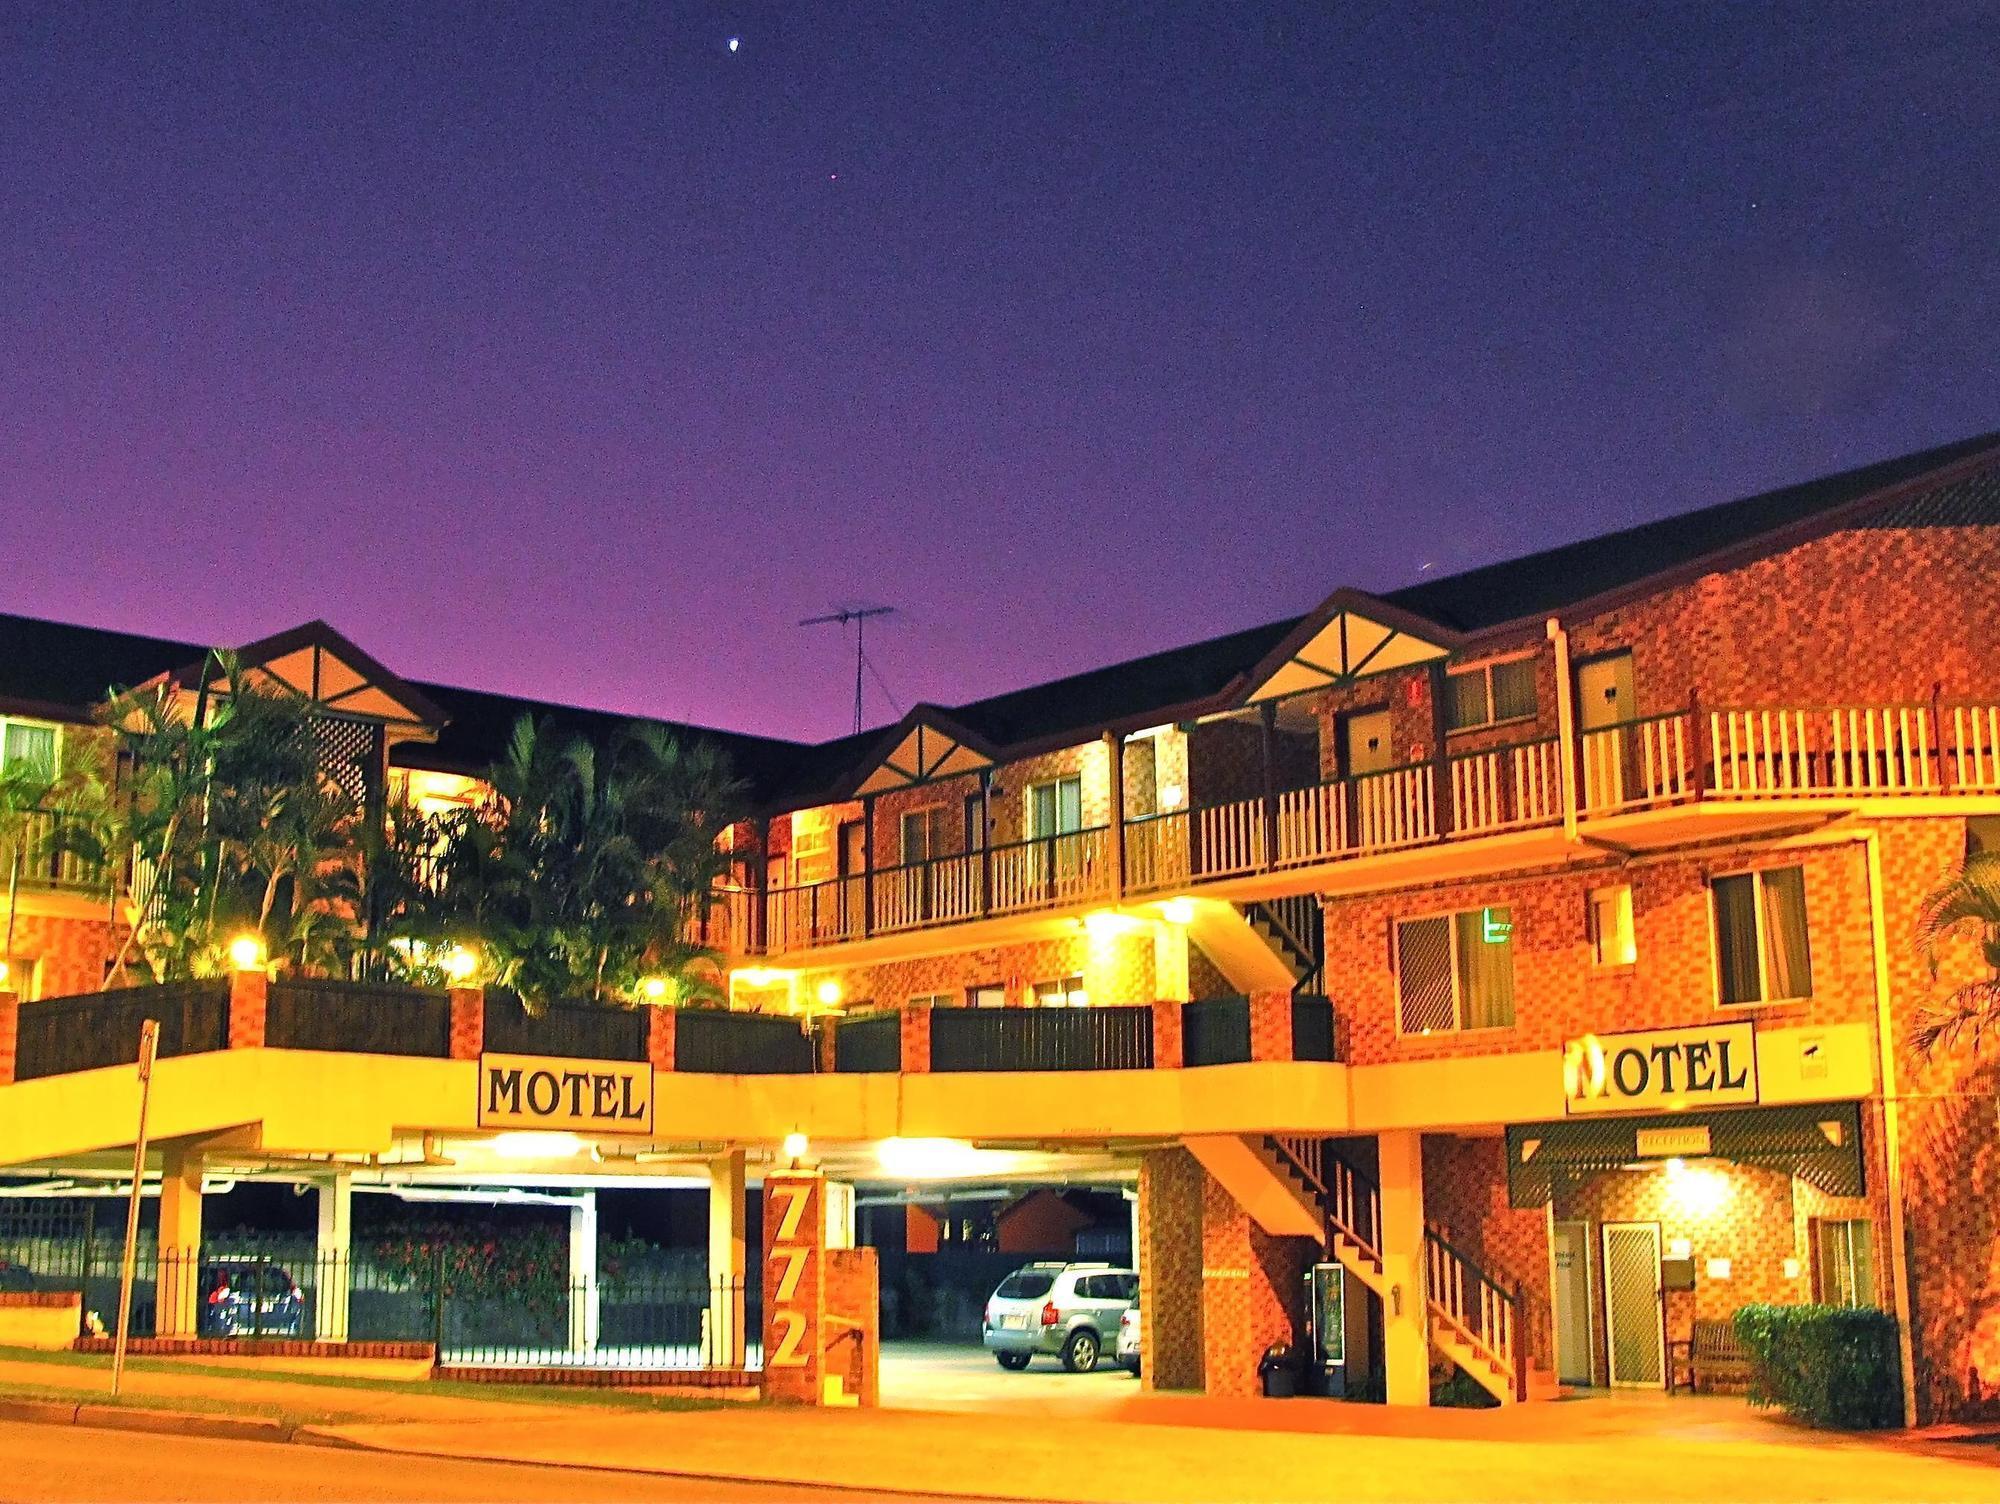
pixel 962 1377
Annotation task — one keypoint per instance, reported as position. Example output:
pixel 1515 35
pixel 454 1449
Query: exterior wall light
pixel 246 953
pixel 654 989
pixel 460 964
pixel 1178 911
pixel 796 1145
pixel 828 993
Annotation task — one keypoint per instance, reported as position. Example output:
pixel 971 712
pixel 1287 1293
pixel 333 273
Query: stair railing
pixel 1348 1201
pixel 1482 1311
pixel 1298 922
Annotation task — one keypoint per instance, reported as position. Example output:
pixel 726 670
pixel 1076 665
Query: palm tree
pixel 46 812
pixel 1967 901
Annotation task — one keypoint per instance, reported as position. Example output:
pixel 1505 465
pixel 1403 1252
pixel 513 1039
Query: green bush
pixel 1833 1366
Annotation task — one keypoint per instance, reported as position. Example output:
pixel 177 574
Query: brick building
pixel 1534 946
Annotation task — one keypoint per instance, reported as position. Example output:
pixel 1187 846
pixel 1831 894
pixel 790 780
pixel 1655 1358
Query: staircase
pixel 1293 927
pixel 1474 1320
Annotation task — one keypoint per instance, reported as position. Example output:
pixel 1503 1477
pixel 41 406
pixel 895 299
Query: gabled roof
pixel 320 665
pixel 1351 636
pixel 926 744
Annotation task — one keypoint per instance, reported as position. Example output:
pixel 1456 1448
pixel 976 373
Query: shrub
pixel 1833 1366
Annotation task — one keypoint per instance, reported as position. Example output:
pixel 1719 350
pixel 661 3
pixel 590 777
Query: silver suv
pixel 1069 1311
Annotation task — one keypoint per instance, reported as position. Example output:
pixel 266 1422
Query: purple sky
pixel 561 351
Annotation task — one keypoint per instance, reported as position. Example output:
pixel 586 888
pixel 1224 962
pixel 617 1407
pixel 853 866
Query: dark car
pixel 247 1298
pixel 14 1278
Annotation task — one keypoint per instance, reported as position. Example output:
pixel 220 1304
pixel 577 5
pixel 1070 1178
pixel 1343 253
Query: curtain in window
pixel 1486 968
pixel 33 746
pixel 1513 689
pixel 1465 700
pixel 1736 937
pixel 1787 961
pixel 1423 974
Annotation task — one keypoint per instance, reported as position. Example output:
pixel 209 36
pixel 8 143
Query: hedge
pixel 1833 1366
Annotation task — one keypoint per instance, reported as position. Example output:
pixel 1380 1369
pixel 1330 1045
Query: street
pixel 963 1376
pixel 76 1463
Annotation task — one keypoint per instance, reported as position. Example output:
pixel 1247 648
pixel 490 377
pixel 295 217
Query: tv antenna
pixel 859 615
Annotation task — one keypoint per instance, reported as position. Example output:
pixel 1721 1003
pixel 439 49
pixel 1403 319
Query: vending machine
pixel 1326 1316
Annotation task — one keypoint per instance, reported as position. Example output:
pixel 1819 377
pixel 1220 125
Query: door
pixel 853 859
pixel 1604 701
pixel 1635 1331
pixel 1365 743
pixel 1569 1272
pixel 1055 811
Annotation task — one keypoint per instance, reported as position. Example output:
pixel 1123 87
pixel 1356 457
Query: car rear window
pixel 1026 1284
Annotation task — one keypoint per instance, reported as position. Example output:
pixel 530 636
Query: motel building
pixel 1492 985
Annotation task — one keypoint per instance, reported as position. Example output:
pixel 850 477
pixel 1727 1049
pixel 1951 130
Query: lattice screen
pixel 347 752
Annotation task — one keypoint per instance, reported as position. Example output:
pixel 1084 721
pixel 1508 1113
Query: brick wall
pixel 1115 969
pixel 1559 993
pixel 1465 1196
pixel 1252 1292
pixel 73 953
pixel 1170 1283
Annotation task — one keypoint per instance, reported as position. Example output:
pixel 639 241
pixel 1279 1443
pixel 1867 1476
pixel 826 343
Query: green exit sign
pixel 1496 926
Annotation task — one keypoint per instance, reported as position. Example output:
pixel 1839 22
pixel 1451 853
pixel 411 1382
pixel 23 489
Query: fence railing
pixel 357 1018
pixel 1215 1031
pixel 1506 788
pixel 1313 1036
pixel 46 862
pixel 1786 752
pixel 59 1035
pixel 939 891
pixel 1041 1039
pixel 1050 871
pixel 1349 1201
pixel 716 1042
pixel 1484 1313
pixel 869 1044
pixel 572 1031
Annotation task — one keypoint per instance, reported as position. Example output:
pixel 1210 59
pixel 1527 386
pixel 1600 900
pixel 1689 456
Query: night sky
pixel 562 350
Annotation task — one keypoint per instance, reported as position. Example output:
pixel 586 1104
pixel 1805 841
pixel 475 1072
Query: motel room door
pixel 1635 1330
pixel 1569 1256
pixel 1604 709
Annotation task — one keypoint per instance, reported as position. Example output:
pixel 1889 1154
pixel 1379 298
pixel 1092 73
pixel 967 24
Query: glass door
pixel 1634 1314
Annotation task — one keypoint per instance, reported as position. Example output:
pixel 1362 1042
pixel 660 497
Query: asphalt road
pixel 963 1376
pixel 77 1463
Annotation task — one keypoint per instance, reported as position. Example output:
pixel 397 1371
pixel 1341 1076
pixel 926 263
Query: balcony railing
pixel 1652 762
pixel 44 861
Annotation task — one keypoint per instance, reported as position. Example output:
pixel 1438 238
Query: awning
pixel 1820 1144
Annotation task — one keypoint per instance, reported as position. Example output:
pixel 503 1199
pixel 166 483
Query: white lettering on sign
pixel 1709 1066
pixel 537 1091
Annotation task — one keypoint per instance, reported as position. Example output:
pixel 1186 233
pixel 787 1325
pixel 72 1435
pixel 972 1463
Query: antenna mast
pixel 859 615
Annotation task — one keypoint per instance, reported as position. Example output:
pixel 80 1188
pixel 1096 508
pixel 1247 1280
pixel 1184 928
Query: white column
pixel 583 1295
pixel 333 1275
pixel 723 1344
pixel 1132 1210
pixel 176 1289
pixel 1406 1336
pixel 838 1197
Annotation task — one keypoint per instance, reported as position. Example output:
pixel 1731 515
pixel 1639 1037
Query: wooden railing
pixel 1506 788
pixel 1635 764
pixel 1882 750
pixel 1482 1312
pixel 60 1035
pixel 1349 1200
pixel 45 863
pixel 1049 872
pixel 943 890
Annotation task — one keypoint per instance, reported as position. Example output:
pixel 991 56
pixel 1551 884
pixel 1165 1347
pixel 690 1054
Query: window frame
pixel 929 999
pixel 1485 668
pixel 1069 991
pixel 1817 1229
pixel 1458 1024
pixel 936 818
pixel 973 990
pixel 1757 875
pixel 36 723
pixel 1622 892
pixel 1029 821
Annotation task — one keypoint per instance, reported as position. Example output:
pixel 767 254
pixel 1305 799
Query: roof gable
pixel 1351 636
pixel 318 664
pixel 924 746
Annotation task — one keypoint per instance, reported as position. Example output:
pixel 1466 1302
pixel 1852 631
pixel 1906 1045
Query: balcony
pixel 45 864
pixel 1742 763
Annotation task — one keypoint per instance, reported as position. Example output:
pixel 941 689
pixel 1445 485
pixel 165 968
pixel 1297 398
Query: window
pixel 1760 936
pixel 1489 694
pixel 1455 971
pixel 1611 939
pixel 1843 1263
pixel 975 822
pixel 931 1000
pixel 1055 808
pixel 1982 835
pixel 17 975
pixel 921 834
pixel 1065 992
pixel 30 743
pixel 986 995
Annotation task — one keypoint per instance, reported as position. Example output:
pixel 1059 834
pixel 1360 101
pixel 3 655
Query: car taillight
pixel 1050 1316
pixel 1126 1319
pixel 218 1295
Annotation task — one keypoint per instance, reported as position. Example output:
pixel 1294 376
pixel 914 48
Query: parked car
pixel 1065 1310
pixel 1128 1341
pixel 14 1278
pixel 246 1298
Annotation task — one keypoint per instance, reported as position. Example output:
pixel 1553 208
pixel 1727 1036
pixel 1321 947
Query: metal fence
pixel 357 1017
pixel 62 1034
pixel 869 1044
pixel 1041 1039
pixel 1215 1031
pixel 571 1031
pixel 741 1044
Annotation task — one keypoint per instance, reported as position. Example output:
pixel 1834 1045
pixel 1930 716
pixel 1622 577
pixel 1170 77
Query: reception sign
pixel 1710 1065
pixel 594 1096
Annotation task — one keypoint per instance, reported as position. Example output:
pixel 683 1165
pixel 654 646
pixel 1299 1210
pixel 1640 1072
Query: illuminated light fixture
pixel 828 993
pixel 1676 1166
pixel 1178 911
pixel 1696 1192
pixel 1792 1268
pixel 927 1158
pixel 759 976
pixel 654 989
pixel 4 971
pixel 1718 1268
pixel 460 963
pixel 796 1145
pixel 1680 1248
pixel 1100 924
pixel 536 1145
pixel 246 953
pixel 1171 795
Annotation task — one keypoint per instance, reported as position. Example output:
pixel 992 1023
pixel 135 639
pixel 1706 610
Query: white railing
pixel 822 913
pixel 1229 838
pixel 1506 788
pixel 1049 872
pixel 1635 764
pixel 1781 753
pixel 1479 1310
pixel 1975 747
pixel 1156 853
pixel 1395 808
pixel 941 891
pixel 1312 823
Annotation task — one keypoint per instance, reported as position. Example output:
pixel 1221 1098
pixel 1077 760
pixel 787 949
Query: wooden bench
pixel 1711 1354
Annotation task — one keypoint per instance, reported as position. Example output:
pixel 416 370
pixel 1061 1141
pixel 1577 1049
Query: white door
pixel 1604 703
pixel 1569 1259
pixel 1635 1332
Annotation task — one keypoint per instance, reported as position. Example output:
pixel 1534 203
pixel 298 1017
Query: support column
pixel 1168 1211
pixel 839 1198
pixel 176 1293
pixel 583 1292
pixel 333 1269
pixel 10 1032
pixel 727 1260
pixel 1406 1338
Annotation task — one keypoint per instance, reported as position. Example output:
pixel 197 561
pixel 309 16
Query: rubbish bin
pixel 1279 1370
